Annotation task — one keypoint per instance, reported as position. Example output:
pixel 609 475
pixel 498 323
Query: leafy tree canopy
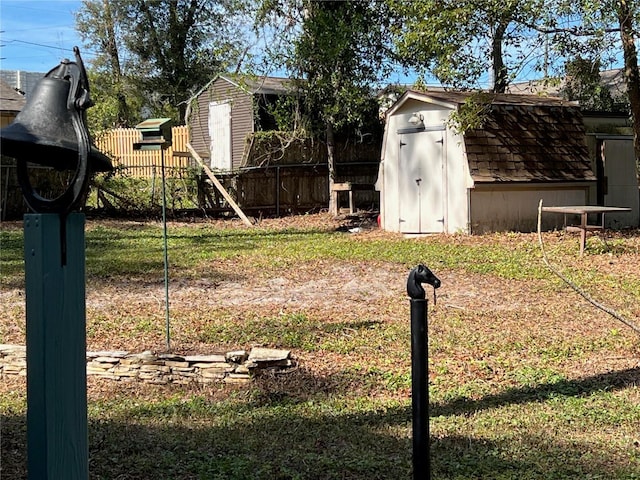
pixel 339 49
pixel 157 53
pixel 458 41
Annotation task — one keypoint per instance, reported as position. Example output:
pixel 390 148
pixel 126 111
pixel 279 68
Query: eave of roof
pixel 458 98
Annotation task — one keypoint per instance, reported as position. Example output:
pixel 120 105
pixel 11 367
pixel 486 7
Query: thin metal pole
pixel 166 253
pixel 420 389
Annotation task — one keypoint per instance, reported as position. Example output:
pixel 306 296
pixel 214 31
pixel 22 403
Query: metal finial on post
pixel 417 277
pixel 420 368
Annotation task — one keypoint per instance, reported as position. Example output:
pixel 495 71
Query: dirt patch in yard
pixel 129 315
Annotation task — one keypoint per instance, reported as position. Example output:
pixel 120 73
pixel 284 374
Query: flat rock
pixel 108 353
pixel 210 365
pixel 171 357
pixel 260 354
pixel 237 356
pixel 217 358
pixel 6 348
pixel 106 360
pixel 176 364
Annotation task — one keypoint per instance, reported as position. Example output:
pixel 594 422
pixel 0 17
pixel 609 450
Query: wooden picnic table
pixel 584 211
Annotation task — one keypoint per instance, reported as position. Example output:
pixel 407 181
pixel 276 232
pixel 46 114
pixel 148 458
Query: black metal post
pixel 420 368
pixel 419 389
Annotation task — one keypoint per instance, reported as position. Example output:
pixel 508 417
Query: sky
pixel 36 35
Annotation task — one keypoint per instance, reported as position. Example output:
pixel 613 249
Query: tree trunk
pixel 331 150
pixel 500 80
pixel 111 47
pixel 631 72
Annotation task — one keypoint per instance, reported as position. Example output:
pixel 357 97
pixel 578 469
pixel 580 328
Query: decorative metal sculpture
pixel 417 277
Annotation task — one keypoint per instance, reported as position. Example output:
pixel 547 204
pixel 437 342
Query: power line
pixel 47 27
pixel 53 47
pixel 38 44
pixel 13 5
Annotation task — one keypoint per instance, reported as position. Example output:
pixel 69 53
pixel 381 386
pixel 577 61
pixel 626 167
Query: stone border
pixel 161 368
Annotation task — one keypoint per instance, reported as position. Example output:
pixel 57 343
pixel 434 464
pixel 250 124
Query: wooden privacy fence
pixel 118 145
pixel 274 186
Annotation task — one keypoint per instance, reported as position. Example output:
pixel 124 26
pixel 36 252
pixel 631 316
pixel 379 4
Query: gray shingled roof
pixel 526 138
pixel 262 85
pixel 613 80
pixel 10 100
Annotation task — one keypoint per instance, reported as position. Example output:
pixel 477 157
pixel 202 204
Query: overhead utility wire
pixel 44 45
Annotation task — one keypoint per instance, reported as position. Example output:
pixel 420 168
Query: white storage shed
pixel 434 180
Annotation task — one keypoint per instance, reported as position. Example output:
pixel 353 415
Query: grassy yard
pixel 527 380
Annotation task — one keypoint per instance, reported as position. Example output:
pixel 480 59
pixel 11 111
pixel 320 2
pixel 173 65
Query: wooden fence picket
pixel 118 145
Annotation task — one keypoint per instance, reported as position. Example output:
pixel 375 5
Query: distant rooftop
pixel 611 79
pixel 10 100
pixel 21 80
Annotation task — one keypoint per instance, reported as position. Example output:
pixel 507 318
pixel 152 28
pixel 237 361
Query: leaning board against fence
pixel 118 145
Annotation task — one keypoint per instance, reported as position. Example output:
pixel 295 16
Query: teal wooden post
pixel 57 445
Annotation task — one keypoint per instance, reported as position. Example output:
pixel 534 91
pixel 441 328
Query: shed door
pixel 421 186
pixel 220 134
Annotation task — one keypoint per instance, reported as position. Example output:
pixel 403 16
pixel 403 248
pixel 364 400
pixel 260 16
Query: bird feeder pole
pixel 156 135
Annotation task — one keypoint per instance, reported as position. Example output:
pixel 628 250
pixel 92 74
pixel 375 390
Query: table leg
pixel 583 233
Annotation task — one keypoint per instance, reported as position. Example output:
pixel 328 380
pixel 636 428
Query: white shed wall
pixel 509 208
pixel 460 183
pixel 388 177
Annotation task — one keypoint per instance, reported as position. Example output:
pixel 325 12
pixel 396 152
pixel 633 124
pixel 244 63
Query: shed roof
pixel 525 138
pixel 457 98
pixel 261 85
pixel 10 99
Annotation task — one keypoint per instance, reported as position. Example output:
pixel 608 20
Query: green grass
pixel 301 332
pixel 191 248
pixel 537 385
